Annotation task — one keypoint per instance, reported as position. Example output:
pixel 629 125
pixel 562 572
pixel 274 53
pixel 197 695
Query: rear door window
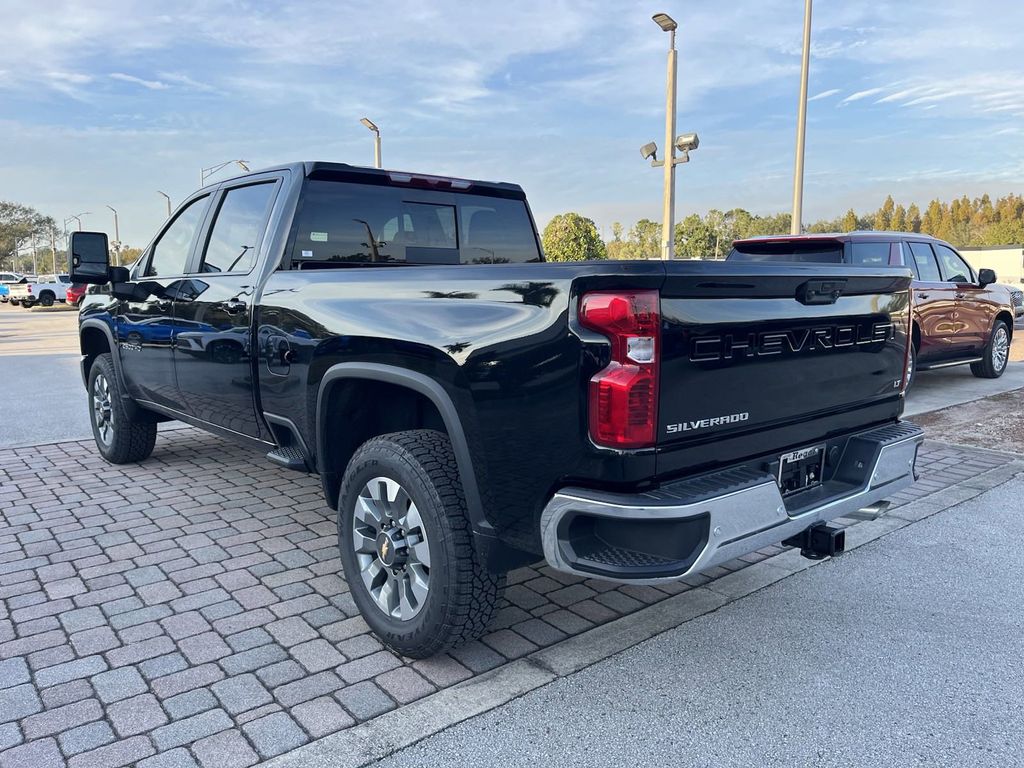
pixel 236 231
pixel 870 254
pixel 954 269
pixel 924 262
pixel 342 222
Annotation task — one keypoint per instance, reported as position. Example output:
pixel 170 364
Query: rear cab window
pixel 345 223
pixel 924 263
pixel 813 251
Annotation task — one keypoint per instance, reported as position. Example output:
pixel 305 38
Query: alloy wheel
pixel 391 548
pixel 1000 348
pixel 102 409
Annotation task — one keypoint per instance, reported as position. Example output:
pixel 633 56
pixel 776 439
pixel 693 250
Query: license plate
pixel 802 469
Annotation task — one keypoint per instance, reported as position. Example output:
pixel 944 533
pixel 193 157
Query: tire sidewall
pixel 392 461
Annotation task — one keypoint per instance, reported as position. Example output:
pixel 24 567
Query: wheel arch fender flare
pixel 104 328
pixel 436 394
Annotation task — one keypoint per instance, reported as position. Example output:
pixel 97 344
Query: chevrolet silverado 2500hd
pixel 470 408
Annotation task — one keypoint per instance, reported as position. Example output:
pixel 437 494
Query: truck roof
pixel 320 169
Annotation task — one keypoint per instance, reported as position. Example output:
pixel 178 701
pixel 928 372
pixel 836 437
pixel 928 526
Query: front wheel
pixel 407 547
pixel 997 353
pixel 121 440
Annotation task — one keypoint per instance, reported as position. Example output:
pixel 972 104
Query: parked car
pixel 7 279
pixel 43 289
pixel 961 316
pixel 470 409
pixel 75 293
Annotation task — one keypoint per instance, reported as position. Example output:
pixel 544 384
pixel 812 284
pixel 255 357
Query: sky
pixel 106 102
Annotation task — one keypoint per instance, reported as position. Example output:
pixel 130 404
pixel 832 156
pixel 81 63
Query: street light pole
pixel 795 224
pixel 668 193
pixel 168 199
pixel 117 239
pixel 205 173
pixel 376 140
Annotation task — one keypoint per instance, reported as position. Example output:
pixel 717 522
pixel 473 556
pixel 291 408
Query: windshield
pixel 816 251
pixel 345 223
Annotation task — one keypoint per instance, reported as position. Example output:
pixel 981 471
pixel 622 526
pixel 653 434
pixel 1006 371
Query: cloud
pixel 861 95
pixel 179 78
pixel 153 85
pixel 824 94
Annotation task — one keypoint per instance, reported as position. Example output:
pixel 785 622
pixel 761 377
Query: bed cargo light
pixel 623 397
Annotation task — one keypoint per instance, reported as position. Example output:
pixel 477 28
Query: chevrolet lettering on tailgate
pixel 756 344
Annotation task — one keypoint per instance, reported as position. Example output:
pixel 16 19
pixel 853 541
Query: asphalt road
pixel 41 394
pixel 904 652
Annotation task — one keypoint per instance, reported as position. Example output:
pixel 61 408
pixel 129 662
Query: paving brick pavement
pixel 190 610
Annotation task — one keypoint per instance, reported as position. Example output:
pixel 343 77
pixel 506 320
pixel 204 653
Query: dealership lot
pixel 42 397
pixel 191 607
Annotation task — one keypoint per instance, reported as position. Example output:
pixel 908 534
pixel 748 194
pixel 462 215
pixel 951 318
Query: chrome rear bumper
pixel 687 527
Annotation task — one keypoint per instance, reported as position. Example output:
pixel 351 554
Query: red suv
pixel 960 315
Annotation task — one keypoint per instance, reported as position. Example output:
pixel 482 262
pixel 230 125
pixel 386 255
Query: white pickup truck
pixel 42 289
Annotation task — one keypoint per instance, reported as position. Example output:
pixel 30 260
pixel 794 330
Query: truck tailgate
pixel 752 351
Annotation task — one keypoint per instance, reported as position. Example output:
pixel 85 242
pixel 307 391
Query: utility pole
pixel 53 250
pixel 795 225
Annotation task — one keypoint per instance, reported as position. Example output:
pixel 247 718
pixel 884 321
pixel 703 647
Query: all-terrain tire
pixel 996 354
pixel 46 298
pixel 462 594
pixel 120 439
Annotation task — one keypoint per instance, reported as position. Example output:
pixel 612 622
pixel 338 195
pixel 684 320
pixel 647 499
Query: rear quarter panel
pixel 498 338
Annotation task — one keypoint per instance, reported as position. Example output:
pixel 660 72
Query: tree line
pixel 26 236
pixel 963 222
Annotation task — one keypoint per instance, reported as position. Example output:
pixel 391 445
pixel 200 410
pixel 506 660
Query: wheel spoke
pixel 387 598
pixel 368 513
pixel 410 519
pixel 418 582
pixel 371 571
pixel 420 553
pixel 363 544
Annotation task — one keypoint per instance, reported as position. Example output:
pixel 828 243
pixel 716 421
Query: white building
pixel 1006 260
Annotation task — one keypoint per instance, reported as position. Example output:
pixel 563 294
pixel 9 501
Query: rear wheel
pixel 121 440
pixel 911 367
pixel 407 548
pixel 46 298
pixel 997 353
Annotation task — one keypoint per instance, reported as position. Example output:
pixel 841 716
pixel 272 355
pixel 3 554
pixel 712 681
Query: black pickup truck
pixel 470 408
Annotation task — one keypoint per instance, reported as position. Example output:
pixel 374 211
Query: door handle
pixel 233 306
pixel 922 295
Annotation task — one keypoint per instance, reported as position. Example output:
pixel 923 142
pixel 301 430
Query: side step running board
pixel 289 457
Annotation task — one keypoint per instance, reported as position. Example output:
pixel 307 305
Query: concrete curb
pixel 375 739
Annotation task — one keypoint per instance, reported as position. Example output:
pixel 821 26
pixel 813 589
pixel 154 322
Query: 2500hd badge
pixel 689 426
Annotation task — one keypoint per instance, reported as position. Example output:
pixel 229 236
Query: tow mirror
pixel 986 277
pixel 89 258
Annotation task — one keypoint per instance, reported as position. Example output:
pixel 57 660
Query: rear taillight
pixel 623 397
pixel 30 288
